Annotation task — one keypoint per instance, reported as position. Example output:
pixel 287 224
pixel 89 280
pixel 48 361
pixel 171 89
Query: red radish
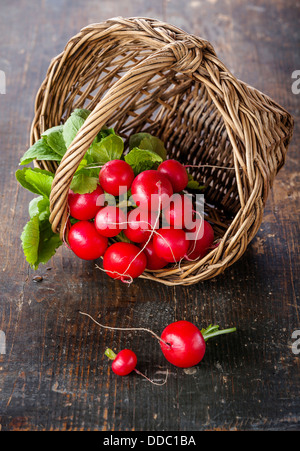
pixel 176 173
pixel 86 242
pixel 84 206
pixel 124 261
pixel 154 261
pixel 183 343
pixel 110 220
pixel 116 177
pixel 150 190
pixel 139 226
pixel 179 213
pixel 123 363
pixel 170 244
pixel 203 237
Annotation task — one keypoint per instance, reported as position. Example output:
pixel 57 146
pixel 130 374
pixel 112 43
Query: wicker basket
pixel 141 74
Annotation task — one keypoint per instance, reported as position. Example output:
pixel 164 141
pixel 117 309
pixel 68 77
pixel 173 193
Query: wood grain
pixel 54 375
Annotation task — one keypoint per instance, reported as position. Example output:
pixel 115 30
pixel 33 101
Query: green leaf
pixel 47 247
pixel 83 184
pixel 122 237
pixel 55 139
pixel 39 206
pixel 73 125
pixel 40 181
pixel 104 132
pixel 39 151
pixel 193 184
pixel 36 180
pixel 81 112
pixel 142 160
pixel 30 240
pixel 148 142
pixel 109 148
pixel 39 242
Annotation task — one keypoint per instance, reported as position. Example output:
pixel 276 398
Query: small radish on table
pixel 125 362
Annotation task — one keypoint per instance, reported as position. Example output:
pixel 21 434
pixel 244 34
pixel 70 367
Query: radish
pixel 110 220
pixel 123 363
pixel 184 345
pixel 151 190
pixel 170 244
pixel 139 225
pixel 124 261
pixel 84 206
pixel 154 261
pixel 86 242
pixel 203 237
pixel 176 173
pixel 116 177
pixel 179 212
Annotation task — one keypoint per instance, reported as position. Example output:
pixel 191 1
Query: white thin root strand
pixel 207 166
pixel 125 328
pixel 152 382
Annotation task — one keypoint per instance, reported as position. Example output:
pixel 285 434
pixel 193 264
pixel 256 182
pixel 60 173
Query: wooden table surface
pixel 54 375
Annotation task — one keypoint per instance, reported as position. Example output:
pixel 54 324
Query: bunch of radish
pixel 153 234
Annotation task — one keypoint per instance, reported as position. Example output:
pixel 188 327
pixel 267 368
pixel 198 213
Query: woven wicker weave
pixel 141 74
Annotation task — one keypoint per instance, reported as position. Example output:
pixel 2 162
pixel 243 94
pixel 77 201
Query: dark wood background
pixel 54 375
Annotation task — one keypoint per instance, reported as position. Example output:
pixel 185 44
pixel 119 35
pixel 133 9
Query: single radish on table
pixel 183 344
pixel 125 362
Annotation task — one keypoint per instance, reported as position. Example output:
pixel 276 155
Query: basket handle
pixel 185 56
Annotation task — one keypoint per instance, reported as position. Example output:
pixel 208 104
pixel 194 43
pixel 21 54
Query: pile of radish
pixel 141 241
pixel 132 208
